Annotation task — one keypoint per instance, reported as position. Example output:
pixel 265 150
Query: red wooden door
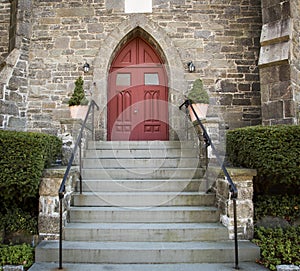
pixel 137 95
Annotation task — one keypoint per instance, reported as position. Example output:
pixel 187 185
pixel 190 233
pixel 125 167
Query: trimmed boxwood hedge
pixel 274 151
pixel 23 157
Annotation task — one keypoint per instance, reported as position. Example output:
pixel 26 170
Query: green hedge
pixel 273 150
pixel 278 246
pixel 23 157
pixel 283 206
pixel 16 255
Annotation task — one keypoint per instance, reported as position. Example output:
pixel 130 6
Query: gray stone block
pixel 287 268
pixel 13 268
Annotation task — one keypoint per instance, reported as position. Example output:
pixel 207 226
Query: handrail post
pixel 232 187
pixel 60 231
pixel 235 234
pixel 80 165
pixel 62 187
pixel 93 122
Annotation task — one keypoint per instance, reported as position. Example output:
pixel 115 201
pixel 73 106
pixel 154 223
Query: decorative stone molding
pixel 243 179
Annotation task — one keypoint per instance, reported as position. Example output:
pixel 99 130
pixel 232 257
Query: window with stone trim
pixel 138 6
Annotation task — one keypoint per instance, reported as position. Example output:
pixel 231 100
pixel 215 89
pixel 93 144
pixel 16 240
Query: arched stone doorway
pixel 140 25
pixel 137 94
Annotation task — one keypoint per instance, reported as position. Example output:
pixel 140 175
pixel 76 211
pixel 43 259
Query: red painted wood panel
pixel 137 94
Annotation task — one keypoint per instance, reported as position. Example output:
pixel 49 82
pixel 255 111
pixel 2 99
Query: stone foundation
pixel 48 223
pixel 243 179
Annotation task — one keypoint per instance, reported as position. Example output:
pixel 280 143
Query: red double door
pixel 137 94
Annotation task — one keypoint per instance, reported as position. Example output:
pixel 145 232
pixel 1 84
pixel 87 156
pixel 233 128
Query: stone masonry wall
pixel 295 67
pixel 4 27
pixel 49 200
pixel 220 37
pixel 243 179
pixel 14 75
pixel 279 62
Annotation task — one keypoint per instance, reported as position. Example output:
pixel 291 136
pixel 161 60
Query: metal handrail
pixel 232 187
pixel 62 188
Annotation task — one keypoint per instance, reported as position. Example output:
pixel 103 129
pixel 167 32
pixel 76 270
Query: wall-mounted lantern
pixel 191 66
pixel 86 67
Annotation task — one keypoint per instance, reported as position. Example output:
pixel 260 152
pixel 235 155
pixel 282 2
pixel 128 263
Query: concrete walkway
pixel 147 267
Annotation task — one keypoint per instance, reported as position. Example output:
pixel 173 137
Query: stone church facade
pixel 245 51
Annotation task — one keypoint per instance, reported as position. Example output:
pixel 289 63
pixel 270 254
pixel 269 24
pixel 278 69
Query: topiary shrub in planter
pixel 78 102
pixel 200 100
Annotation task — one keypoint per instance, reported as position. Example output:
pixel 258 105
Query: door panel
pixel 138 95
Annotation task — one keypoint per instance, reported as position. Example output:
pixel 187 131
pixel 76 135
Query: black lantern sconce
pixel 86 67
pixel 191 66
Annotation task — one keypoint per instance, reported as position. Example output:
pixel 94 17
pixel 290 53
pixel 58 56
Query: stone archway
pixel 164 45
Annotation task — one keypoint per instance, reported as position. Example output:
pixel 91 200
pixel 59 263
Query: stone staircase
pixel 143 203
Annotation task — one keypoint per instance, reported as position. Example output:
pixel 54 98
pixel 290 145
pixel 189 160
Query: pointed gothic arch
pixel 137 93
pixel 139 24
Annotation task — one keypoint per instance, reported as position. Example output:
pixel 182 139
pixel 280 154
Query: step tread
pixel 149 267
pixel 141 144
pixel 111 245
pixel 148 209
pixel 118 181
pixel 140 153
pixel 145 193
pixel 159 185
pixel 145 226
pixel 134 162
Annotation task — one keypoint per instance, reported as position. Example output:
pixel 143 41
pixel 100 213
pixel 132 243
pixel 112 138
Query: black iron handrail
pixel 62 188
pixel 232 188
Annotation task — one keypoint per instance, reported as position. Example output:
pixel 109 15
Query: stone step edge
pixel 144 193
pixel 143 209
pixel 145 226
pixel 146 246
pixel 142 144
pixel 249 266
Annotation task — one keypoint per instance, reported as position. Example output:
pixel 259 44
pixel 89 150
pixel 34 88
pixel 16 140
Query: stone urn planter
pixel 78 103
pixel 200 109
pixel 78 111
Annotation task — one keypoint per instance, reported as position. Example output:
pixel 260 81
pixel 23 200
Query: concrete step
pixel 163 185
pixel 246 266
pixel 111 145
pixel 141 153
pixel 140 163
pixel 187 214
pixel 143 199
pixel 145 232
pixel 146 252
pixel 142 173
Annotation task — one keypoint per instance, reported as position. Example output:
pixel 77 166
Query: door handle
pixel 135 111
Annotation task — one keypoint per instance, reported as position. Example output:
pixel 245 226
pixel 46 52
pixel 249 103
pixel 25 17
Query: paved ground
pixel 147 267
